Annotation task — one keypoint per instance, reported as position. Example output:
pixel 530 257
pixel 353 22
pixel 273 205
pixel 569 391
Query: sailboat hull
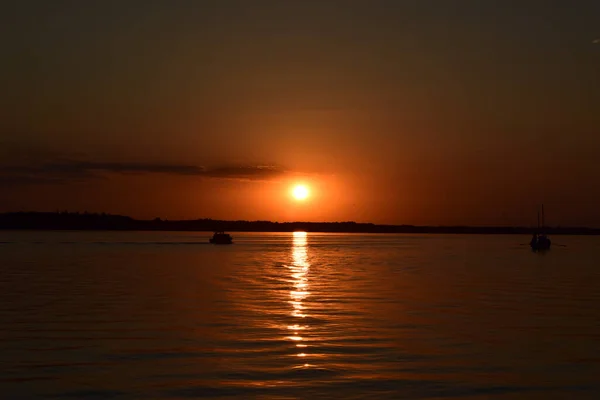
pixel 540 243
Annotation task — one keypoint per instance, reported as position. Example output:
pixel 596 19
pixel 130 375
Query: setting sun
pixel 300 192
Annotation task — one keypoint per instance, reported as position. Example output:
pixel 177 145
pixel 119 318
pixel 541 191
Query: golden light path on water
pixel 299 273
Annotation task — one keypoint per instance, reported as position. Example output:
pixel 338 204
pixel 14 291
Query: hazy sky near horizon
pixel 423 112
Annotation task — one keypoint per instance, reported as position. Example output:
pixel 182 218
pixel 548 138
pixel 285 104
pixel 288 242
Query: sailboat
pixel 540 241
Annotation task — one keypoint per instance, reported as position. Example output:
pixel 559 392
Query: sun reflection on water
pixel 299 274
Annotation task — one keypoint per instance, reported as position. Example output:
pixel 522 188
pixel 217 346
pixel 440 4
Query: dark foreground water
pixel 166 316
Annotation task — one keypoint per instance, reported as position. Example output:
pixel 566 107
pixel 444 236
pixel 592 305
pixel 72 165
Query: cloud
pixel 58 172
pixel 7 181
pixel 244 172
pixel 78 167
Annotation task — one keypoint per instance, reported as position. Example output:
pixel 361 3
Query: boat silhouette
pixel 221 238
pixel 539 241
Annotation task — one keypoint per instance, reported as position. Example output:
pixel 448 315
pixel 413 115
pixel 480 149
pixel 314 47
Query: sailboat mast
pixel 543 220
pixel 538 215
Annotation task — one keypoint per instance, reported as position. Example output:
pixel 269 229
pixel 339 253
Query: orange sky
pixel 391 112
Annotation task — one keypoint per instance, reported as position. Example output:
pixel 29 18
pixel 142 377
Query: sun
pixel 300 192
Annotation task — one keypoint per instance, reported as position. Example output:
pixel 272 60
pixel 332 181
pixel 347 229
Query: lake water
pixel 163 315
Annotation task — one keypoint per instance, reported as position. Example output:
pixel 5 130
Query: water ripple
pixel 284 316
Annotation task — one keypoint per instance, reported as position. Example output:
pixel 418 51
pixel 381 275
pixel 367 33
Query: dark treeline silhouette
pixel 94 221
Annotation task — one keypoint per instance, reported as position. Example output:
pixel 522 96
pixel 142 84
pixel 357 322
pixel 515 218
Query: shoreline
pixel 105 222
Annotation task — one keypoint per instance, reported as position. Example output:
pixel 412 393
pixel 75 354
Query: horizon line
pixel 373 224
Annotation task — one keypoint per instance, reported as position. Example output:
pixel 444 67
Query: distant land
pixel 95 221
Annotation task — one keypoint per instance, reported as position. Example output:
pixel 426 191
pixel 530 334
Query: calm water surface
pixel 166 316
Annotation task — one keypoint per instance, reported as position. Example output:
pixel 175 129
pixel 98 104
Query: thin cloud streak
pixel 76 171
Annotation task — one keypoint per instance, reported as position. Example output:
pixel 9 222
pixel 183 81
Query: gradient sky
pixel 418 112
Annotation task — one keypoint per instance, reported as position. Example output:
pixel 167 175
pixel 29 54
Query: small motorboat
pixel 221 238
